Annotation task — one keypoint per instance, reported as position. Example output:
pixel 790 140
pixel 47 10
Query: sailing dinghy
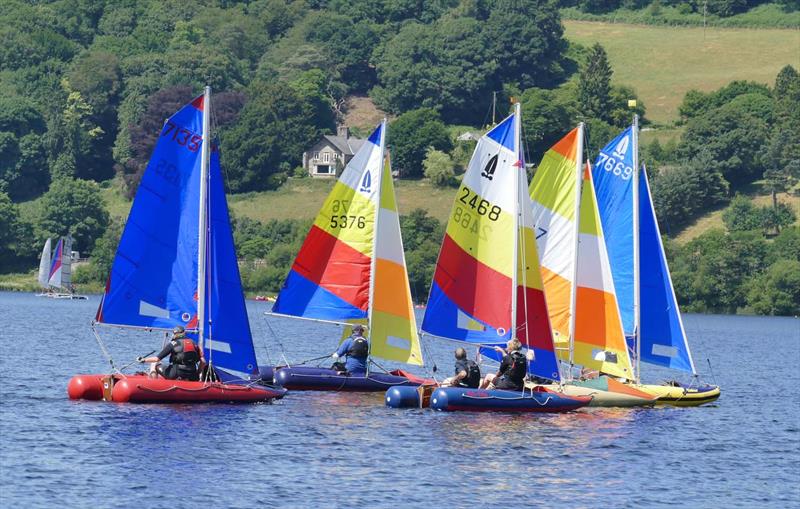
pixel 487 287
pixel 55 274
pixel 581 299
pixel 176 265
pixel 648 307
pixel 351 269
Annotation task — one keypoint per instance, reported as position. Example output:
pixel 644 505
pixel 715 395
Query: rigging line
pixel 277 339
pixel 104 350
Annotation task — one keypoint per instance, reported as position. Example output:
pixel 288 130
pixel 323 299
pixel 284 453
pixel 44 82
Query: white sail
pixel 66 264
pixel 44 265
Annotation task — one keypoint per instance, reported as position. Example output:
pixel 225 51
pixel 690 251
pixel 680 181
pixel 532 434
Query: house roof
pixel 347 146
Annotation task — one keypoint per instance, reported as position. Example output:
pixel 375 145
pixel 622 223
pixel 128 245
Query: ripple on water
pixel 348 450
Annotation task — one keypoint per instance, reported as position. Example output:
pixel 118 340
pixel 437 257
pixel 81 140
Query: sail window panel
pixel 394 338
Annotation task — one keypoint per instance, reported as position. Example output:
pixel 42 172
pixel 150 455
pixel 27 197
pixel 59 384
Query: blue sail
pixel 663 340
pixel 153 279
pixel 229 343
pixel 612 175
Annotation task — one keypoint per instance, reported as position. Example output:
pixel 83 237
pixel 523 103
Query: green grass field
pixel 302 199
pixel 663 63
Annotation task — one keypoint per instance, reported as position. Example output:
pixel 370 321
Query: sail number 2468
pixel 479 205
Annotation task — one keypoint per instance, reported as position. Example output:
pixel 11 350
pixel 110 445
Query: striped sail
pixel 330 278
pixel 57 266
pixel 472 289
pixel 394 328
pixel 599 342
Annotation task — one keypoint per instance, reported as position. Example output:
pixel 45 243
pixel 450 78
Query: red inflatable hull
pixel 142 389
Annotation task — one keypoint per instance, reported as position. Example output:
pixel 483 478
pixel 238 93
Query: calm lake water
pixel 349 450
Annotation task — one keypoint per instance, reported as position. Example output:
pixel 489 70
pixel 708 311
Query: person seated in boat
pixel 185 358
pixel 467 372
pixel 513 369
pixel 356 349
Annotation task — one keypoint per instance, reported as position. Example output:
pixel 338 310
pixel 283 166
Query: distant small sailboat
pixel 648 307
pixel 55 274
pixel 176 265
pixel 351 269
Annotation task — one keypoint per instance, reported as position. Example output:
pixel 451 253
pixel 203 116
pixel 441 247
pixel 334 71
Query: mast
pixel 515 256
pixel 575 232
pixel 636 289
pixel 205 159
pixel 375 239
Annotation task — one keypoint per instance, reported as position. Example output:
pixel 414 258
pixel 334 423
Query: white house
pixel 329 156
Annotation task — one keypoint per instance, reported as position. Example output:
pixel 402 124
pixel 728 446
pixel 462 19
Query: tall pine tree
pixel 594 88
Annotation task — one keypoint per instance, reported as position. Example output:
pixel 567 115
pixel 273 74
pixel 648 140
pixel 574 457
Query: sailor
pixel 184 357
pixel 467 372
pixel 513 369
pixel 356 348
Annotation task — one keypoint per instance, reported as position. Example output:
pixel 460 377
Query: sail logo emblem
pixel 366 183
pixel 490 168
pixel 622 148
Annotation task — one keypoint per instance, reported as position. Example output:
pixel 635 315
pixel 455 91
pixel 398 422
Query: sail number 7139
pixel 182 136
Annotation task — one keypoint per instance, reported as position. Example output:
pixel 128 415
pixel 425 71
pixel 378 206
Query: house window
pixel 323 169
pixel 316 155
pixel 326 157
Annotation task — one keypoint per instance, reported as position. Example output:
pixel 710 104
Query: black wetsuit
pixel 473 378
pixel 513 369
pixel 183 359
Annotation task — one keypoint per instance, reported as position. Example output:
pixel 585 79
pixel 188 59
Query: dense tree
pixel 422 236
pixel 439 167
pixel 75 207
pixel 24 172
pixel 777 292
pixel 681 193
pixel 547 115
pixel 696 103
pixel 447 66
pixel 526 39
pixel 594 85
pixel 14 232
pixel 411 134
pixel 733 136
pixel 274 128
pixel 742 215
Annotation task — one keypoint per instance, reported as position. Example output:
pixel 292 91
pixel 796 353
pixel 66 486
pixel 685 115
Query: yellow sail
pixel 393 333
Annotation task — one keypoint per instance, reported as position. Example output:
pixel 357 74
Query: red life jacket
pixel 185 353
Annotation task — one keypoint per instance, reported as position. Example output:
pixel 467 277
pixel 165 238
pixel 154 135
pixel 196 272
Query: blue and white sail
pixel 661 333
pixel 612 175
pixel 154 277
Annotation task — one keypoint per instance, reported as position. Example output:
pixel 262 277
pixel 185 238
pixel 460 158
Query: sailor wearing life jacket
pixel 513 369
pixel 467 372
pixel 356 348
pixel 184 357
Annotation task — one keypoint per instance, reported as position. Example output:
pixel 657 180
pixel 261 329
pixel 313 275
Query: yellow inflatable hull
pixel 607 392
pixel 681 396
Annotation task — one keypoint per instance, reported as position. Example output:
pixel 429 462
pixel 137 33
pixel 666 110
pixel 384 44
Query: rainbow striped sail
pixel 480 282
pixel 351 266
pixel 577 276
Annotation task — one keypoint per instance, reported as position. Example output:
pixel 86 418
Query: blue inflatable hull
pixel 302 378
pixel 403 397
pixel 480 400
